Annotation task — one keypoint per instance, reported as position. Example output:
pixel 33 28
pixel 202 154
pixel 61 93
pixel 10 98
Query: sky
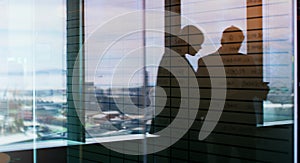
pixel 33 37
pixel 212 17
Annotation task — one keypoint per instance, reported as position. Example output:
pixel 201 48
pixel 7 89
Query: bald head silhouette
pixel 190 40
pixel 231 40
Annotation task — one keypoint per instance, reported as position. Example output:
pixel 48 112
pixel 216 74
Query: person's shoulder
pixel 201 59
pixel 202 65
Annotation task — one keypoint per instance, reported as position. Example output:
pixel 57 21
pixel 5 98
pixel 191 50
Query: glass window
pixel 197 80
pixel 33 72
pixel 149 81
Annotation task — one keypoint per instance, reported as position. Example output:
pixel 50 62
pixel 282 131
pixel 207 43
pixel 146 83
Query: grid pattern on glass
pixel 236 137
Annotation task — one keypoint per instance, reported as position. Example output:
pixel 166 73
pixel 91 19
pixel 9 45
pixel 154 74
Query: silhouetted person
pixel 191 44
pixel 168 81
pixel 234 135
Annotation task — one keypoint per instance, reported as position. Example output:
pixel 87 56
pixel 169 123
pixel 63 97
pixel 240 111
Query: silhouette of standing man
pixel 166 80
pixel 233 139
pixel 188 41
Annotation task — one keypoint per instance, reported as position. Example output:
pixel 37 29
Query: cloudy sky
pixel 33 37
pixel 212 17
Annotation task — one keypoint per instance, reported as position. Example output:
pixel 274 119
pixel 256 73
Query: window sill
pixel 30 145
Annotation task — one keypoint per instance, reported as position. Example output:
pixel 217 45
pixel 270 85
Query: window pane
pixel 212 79
pixel 33 72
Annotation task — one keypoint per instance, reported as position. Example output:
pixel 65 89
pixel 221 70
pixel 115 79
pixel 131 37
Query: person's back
pixel 240 72
pixel 244 96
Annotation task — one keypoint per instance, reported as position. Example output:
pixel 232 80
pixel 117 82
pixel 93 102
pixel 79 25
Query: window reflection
pixel 213 20
pixel 33 71
pixel 117 91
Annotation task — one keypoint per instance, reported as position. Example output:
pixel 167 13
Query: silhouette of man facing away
pixel 233 138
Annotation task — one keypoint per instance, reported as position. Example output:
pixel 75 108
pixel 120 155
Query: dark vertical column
pixel 75 38
pixel 255 43
pixel 172 20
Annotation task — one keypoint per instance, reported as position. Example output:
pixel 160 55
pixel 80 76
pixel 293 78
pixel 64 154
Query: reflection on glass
pixel 119 55
pixel 256 52
pixel 32 71
pixel 115 83
pixel 278 62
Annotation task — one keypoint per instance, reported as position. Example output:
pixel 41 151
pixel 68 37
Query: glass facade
pixel 149 81
pixel 33 71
